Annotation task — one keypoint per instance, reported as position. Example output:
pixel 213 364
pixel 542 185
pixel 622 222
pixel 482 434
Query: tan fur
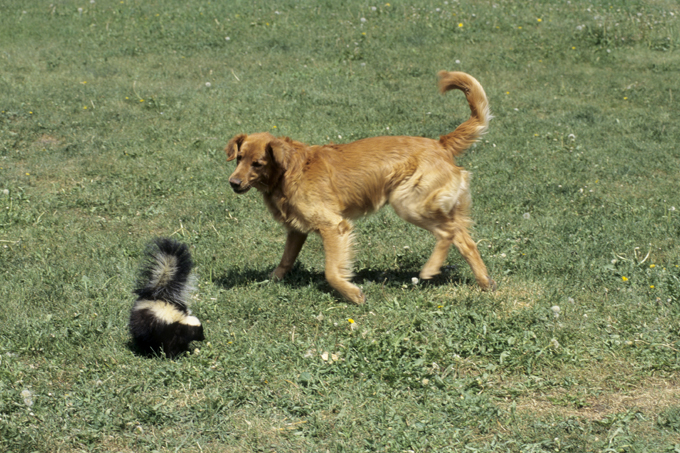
pixel 322 189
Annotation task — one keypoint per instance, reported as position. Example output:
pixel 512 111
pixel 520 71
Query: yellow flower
pixel 651 286
pixel 625 279
pixel 351 321
pixel 573 48
pixel 460 24
pixel 652 266
pixel 539 20
pixel 141 100
pixel 84 107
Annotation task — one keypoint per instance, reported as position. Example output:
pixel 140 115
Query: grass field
pixel 113 118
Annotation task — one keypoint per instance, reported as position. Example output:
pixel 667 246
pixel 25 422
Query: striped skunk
pixel 160 318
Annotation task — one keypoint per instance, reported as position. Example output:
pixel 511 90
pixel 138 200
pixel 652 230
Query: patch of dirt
pixel 649 400
pixel 46 141
pixel 602 392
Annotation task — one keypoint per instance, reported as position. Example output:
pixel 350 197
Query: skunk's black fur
pixel 160 319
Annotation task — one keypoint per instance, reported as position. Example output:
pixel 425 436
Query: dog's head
pixel 260 161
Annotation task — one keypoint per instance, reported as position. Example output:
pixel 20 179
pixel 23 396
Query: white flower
pixel 27 395
pixel 208 84
pixel 363 19
pixel 554 343
pixel 526 216
pixel 414 280
pixel 227 38
pixel 556 310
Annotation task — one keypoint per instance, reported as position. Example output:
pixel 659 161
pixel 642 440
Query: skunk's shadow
pixel 300 277
pixel 155 353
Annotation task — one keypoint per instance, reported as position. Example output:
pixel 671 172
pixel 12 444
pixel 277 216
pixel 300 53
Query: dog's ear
pixel 234 144
pixel 280 152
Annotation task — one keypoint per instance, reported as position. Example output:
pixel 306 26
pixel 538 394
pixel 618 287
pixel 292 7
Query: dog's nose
pixel 235 183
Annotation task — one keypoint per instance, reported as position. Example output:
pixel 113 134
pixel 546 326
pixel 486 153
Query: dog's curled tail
pixel 469 132
pixel 165 273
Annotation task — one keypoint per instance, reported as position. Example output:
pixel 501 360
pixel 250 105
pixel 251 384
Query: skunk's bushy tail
pixel 469 132
pixel 165 272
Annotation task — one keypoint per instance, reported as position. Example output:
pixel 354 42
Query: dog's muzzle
pixel 237 186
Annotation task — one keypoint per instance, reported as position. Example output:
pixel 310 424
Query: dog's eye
pixel 256 164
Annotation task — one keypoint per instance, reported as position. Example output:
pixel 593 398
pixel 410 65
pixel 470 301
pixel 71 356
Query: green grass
pixel 110 135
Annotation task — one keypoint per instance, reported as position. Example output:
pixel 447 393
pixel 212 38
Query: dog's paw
pixel 427 274
pixel 491 286
pixel 357 297
pixel 278 274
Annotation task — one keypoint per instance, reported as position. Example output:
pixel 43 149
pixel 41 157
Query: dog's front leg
pixel 337 245
pixel 294 242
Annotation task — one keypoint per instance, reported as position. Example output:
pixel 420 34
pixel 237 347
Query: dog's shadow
pixel 301 277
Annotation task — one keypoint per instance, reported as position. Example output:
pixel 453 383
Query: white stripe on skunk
pixel 160 320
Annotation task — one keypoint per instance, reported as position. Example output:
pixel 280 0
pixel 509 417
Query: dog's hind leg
pixel 294 242
pixel 439 254
pixel 337 244
pixel 457 235
pixel 467 247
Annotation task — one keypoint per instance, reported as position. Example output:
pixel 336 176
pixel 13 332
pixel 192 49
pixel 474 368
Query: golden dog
pixel 323 188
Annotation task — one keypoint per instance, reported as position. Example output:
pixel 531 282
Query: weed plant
pixel 113 117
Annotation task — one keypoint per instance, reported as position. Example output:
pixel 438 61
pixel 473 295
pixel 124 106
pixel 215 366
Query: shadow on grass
pixel 300 277
pixel 157 353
